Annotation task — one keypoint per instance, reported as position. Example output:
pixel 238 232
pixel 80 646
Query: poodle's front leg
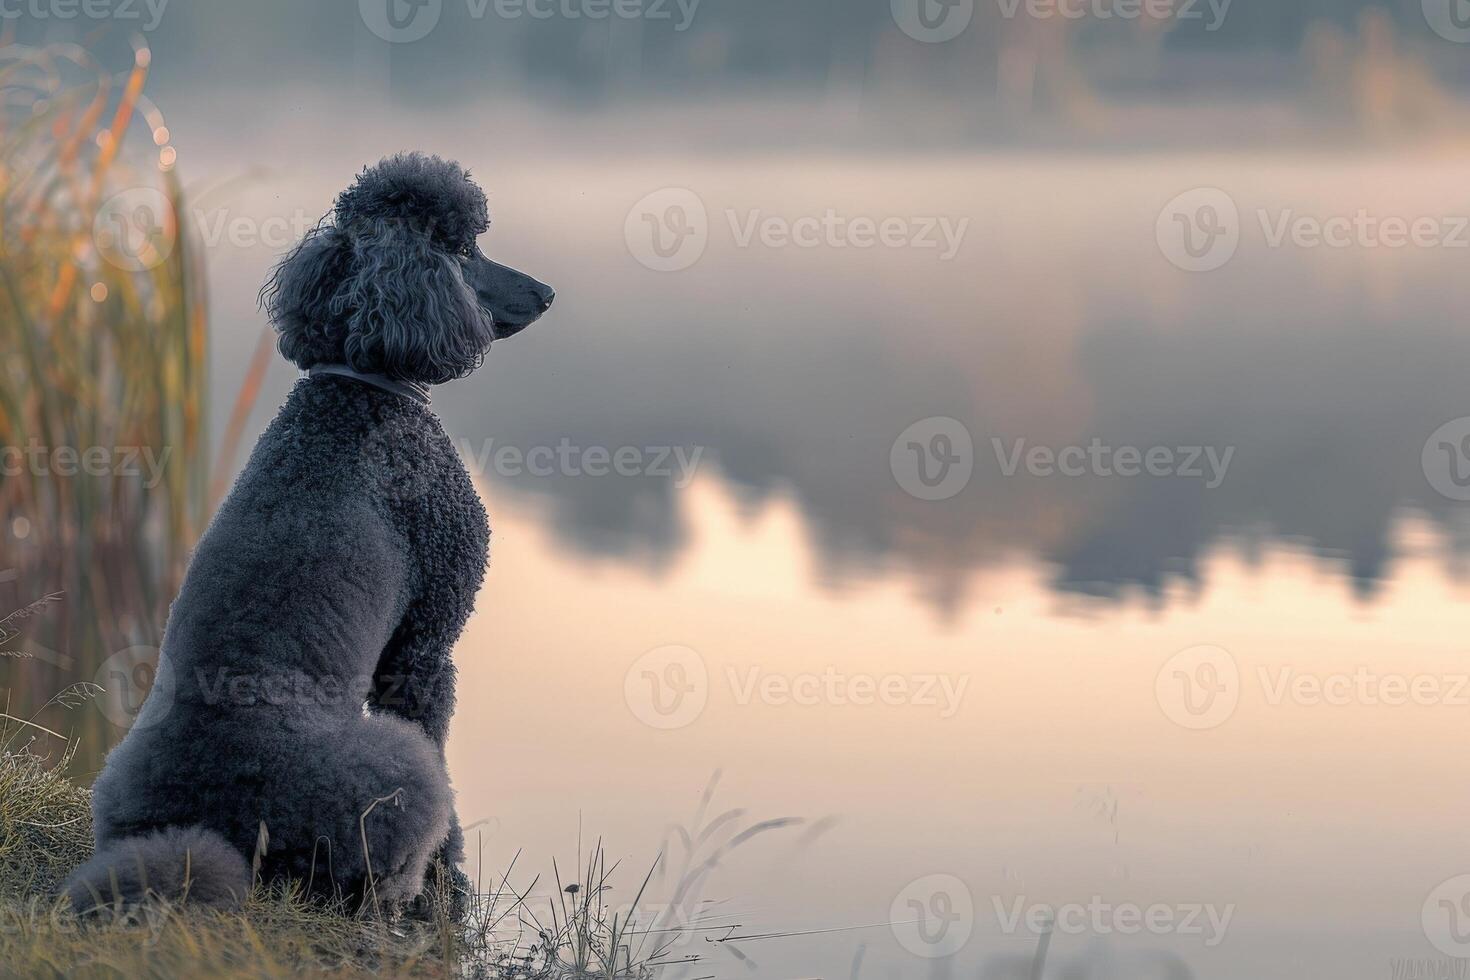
pixel 415 680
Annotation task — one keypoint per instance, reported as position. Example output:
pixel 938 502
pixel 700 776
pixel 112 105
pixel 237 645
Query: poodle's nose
pixel 547 298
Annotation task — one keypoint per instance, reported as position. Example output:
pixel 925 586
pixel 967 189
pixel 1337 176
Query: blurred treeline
pixel 1336 65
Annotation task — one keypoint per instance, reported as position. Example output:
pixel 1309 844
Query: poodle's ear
pixel 383 286
pixel 379 297
pixel 409 313
pixel 300 298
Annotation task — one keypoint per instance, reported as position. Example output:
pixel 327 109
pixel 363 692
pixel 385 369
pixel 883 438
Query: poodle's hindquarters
pixel 354 810
pixel 362 811
pixel 174 864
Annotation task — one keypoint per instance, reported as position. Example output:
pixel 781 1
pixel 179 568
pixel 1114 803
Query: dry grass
pixel 579 931
pixel 45 832
pixel 45 829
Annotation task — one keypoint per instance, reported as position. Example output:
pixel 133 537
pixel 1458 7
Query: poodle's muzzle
pixel 514 299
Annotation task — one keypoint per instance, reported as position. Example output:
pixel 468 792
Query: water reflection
pixel 1065 777
pixel 1294 389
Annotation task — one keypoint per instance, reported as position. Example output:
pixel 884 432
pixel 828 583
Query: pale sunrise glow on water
pixel 1061 774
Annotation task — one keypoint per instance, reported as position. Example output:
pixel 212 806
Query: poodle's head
pixel 395 283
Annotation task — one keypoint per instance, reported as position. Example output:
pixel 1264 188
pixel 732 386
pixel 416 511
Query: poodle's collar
pixel 408 389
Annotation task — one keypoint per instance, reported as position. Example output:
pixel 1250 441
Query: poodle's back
pixel 302 589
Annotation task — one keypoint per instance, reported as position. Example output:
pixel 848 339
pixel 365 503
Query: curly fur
pixel 379 287
pixel 213 872
pixel 339 572
pixel 305 684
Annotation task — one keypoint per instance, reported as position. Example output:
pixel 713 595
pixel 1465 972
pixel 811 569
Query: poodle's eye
pixel 468 252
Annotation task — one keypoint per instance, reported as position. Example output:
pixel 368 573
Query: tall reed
pixel 103 366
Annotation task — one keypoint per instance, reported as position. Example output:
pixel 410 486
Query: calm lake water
pixel 1212 720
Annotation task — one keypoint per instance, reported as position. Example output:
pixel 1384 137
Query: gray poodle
pixel 305 685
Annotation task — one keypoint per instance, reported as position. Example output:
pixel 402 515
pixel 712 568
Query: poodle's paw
pixel 448 892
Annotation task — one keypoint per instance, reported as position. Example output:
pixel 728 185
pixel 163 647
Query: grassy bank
pixel 45 832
